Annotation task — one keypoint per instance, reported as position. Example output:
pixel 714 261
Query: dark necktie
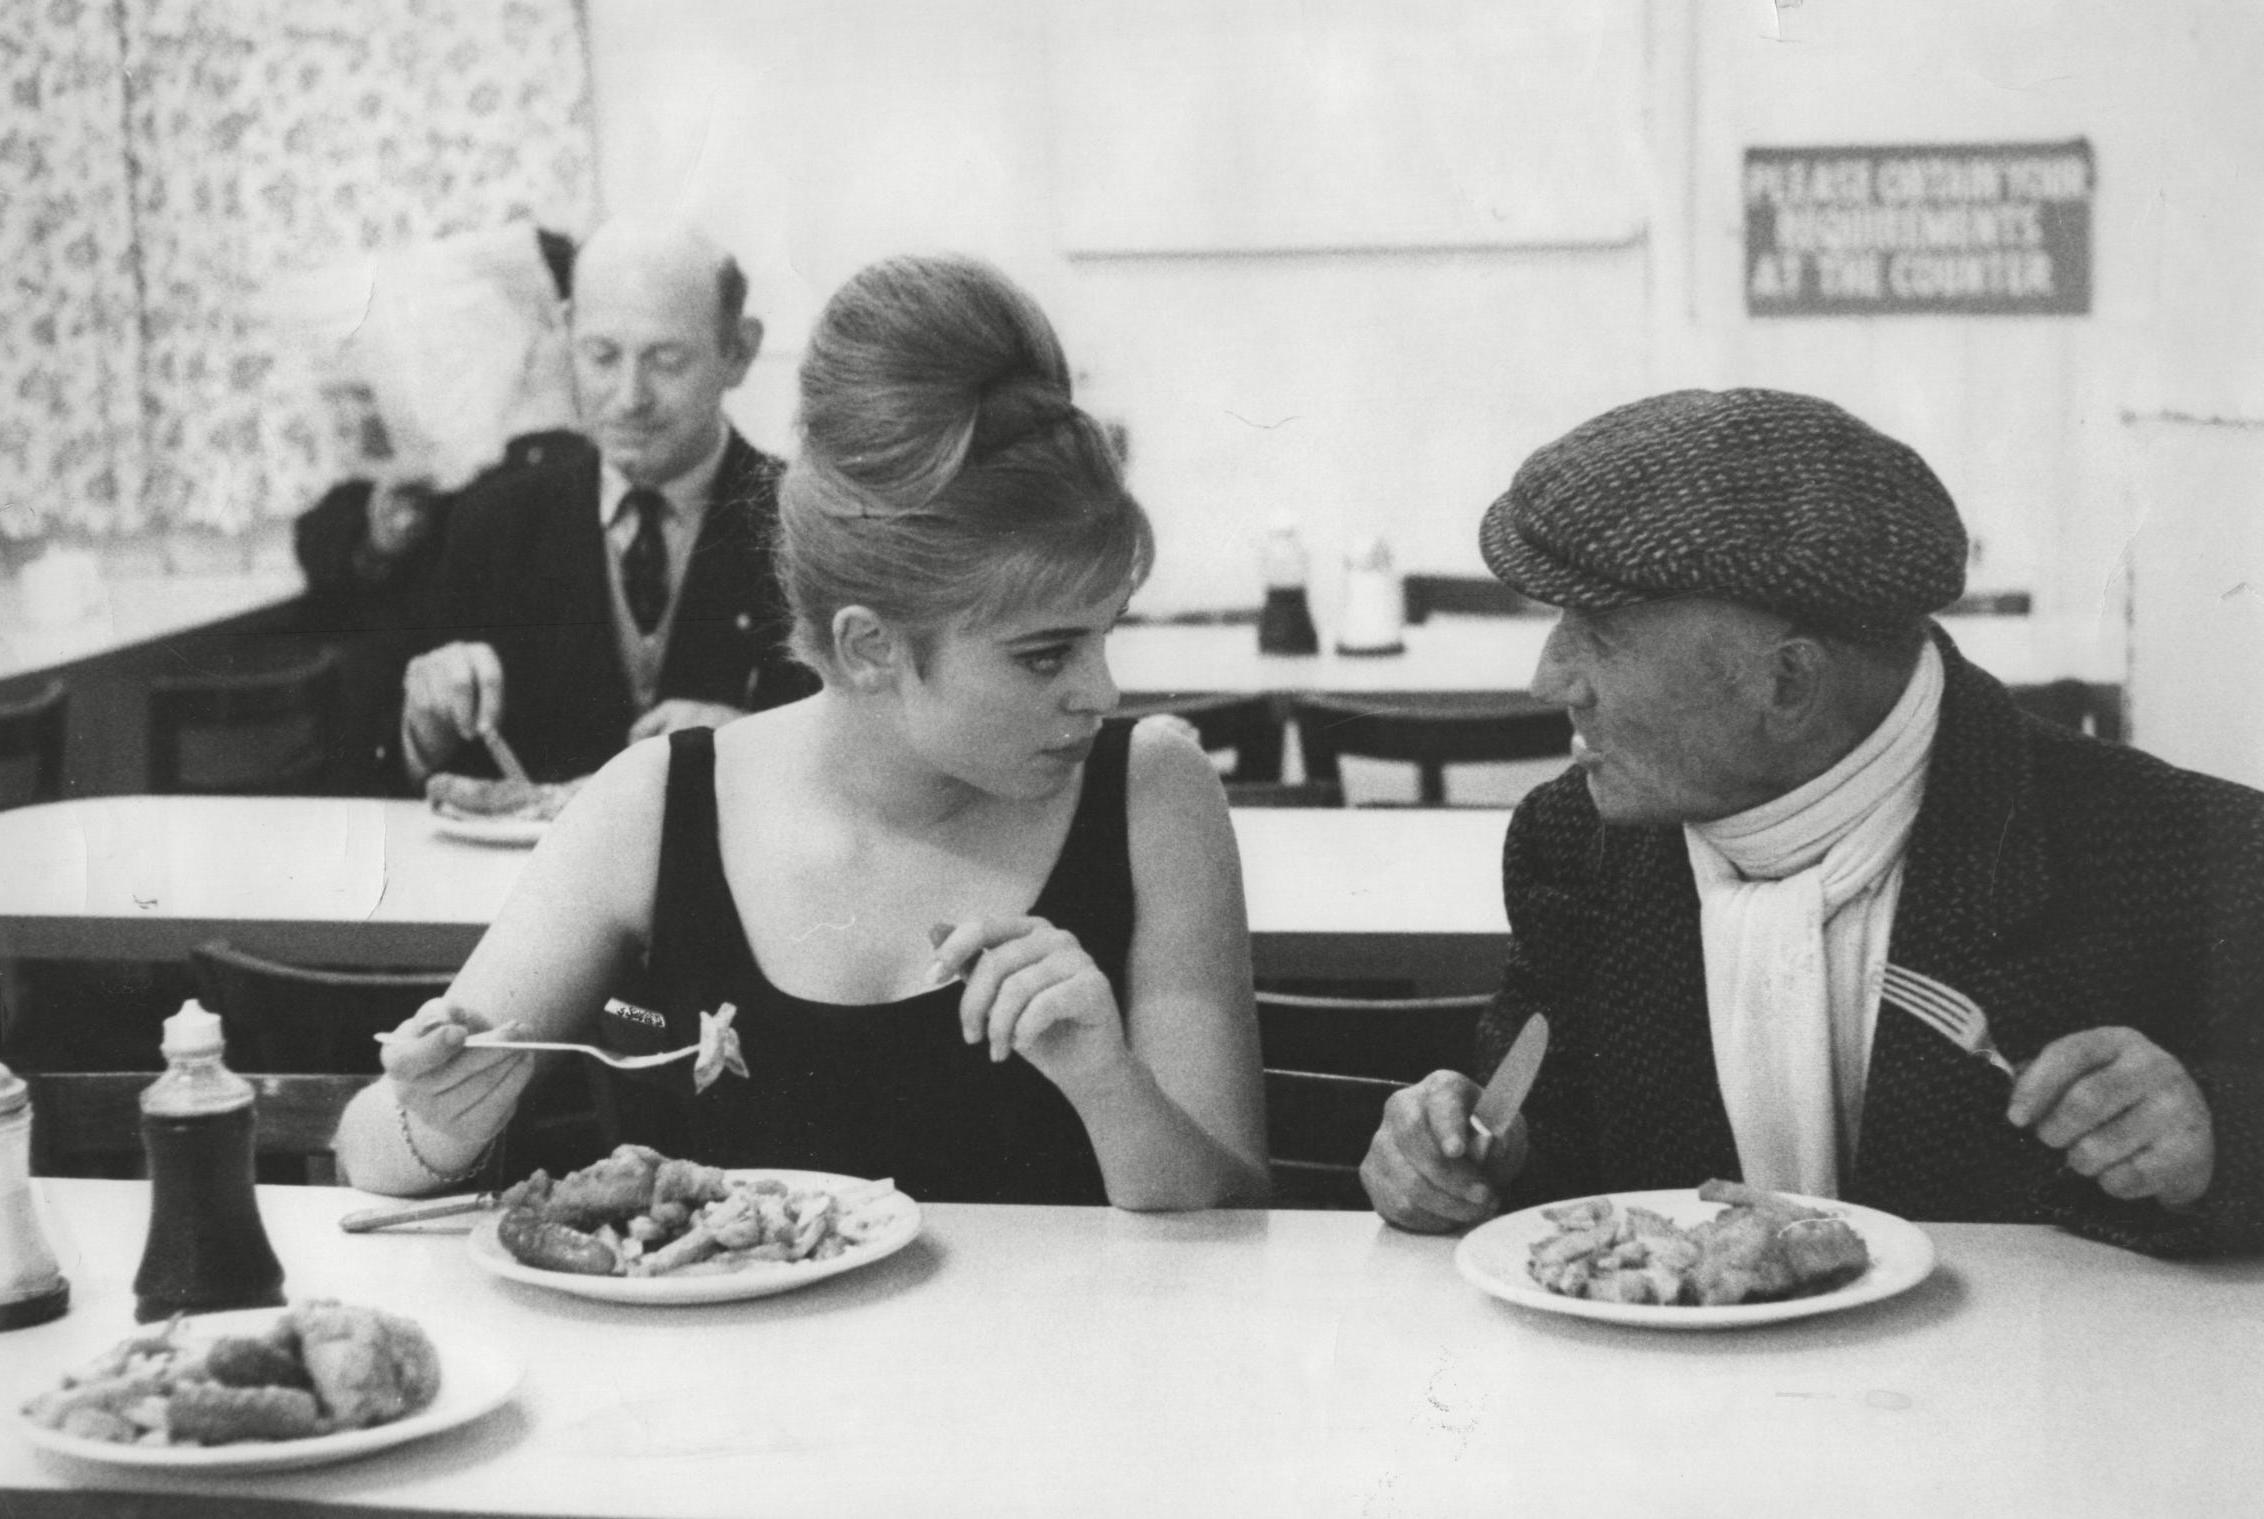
pixel 644 563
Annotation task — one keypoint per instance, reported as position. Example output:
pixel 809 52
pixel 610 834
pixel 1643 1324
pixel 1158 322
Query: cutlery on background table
pixel 1513 1078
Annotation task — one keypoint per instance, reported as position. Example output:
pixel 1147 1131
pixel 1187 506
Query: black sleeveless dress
pixel 884 1090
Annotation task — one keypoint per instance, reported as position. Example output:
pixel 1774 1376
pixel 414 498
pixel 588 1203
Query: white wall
pixel 1286 321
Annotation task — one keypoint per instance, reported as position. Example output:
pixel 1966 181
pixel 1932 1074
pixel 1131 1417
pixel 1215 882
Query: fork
pixel 1947 1011
pixel 618 1062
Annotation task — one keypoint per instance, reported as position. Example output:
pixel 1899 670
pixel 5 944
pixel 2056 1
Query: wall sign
pixel 1964 229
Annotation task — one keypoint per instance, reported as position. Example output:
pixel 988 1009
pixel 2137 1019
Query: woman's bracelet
pixel 439 1177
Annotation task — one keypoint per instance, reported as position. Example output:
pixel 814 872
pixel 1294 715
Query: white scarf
pixel 1795 900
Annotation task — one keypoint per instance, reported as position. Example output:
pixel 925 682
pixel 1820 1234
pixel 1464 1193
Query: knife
pixel 506 760
pixel 438 1207
pixel 1513 1078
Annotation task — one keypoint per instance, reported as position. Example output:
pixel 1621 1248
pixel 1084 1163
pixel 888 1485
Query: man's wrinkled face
pixel 1667 700
pixel 651 364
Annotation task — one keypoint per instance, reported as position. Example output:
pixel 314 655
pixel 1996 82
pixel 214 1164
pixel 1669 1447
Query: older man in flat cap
pixel 1794 811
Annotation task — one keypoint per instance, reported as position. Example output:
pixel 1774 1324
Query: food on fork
pixel 471 798
pixel 639 1213
pixel 1762 1247
pixel 321 1367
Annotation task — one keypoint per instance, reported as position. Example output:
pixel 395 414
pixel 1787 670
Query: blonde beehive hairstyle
pixel 945 476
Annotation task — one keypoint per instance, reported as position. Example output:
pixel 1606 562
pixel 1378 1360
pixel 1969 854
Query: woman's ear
pixel 865 649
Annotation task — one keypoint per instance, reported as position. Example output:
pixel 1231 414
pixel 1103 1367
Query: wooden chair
pixel 2096 709
pixel 1430 733
pixel 1463 596
pixel 260 733
pixel 1248 726
pixel 1331 1062
pixel 281 1017
pixel 291 1018
pixel 32 730
pixel 1317 1130
pixel 90 1122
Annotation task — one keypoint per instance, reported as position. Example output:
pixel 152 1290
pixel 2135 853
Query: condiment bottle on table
pixel 207 1249
pixel 32 1287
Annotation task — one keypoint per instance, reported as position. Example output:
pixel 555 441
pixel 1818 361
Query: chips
pixel 1763 1247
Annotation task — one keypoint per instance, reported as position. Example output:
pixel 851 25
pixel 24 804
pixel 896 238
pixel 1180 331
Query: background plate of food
pixel 1720 1256
pixel 639 1228
pixel 364 1381
pixel 511 813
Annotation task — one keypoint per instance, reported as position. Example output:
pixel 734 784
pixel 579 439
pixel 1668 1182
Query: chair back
pixel 1401 1039
pixel 259 733
pixel 1284 794
pixel 1248 727
pixel 2096 709
pixel 1318 1126
pixel 1331 1062
pixel 89 1122
pixel 281 1017
pixel 32 730
pixel 1430 733
pixel 1464 596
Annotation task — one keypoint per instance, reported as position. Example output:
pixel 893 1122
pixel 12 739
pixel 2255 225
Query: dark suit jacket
pixel 524 569
pixel 371 610
pixel 2061 882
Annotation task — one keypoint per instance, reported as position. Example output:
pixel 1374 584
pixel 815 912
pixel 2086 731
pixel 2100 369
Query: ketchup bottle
pixel 207 1249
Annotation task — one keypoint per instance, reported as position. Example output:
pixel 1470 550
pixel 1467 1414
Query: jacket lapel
pixel 711 608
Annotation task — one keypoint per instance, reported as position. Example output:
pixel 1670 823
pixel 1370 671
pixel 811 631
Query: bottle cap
pixel 14 1094
pixel 192 1031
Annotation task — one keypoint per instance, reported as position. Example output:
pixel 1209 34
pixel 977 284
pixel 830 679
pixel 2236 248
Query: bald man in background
pixel 600 589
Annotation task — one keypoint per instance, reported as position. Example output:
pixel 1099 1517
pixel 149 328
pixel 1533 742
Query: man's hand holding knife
pixel 1447 1148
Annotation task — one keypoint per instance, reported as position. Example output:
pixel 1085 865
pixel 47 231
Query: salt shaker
pixel 207 1249
pixel 1375 605
pixel 32 1287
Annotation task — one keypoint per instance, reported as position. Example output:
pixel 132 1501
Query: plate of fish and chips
pixel 265 1389
pixel 1720 1256
pixel 641 1228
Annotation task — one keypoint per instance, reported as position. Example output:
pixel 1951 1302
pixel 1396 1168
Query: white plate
pixel 900 1222
pixel 474 1378
pixel 1495 1257
pixel 511 832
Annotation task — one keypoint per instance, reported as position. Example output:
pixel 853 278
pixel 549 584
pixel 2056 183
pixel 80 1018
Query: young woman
pixel 977 939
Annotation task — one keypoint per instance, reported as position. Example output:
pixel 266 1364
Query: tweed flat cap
pixel 1761 497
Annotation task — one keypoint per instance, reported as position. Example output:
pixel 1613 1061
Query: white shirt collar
pixel 687 494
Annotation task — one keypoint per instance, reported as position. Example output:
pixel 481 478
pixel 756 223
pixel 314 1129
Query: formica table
pixel 1408 894
pixel 1042 1361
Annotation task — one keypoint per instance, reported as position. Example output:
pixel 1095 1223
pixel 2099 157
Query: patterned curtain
pixel 260 138
pixel 70 339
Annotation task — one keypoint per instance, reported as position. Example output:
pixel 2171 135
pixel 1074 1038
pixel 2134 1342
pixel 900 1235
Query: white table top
pixel 129 609
pixel 349 880
pixel 1092 1362
pixel 1468 654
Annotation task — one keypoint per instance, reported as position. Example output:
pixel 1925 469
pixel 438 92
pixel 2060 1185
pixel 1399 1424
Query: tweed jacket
pixel 524 569
pixel 2061 882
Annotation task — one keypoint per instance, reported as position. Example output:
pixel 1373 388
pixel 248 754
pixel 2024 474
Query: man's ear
pixel 866 650
pixel 1798 666
pixel 746 342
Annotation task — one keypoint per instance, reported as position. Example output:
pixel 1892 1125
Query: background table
pixel 1398 893
pixel 1453 654
pixel 1091 1362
